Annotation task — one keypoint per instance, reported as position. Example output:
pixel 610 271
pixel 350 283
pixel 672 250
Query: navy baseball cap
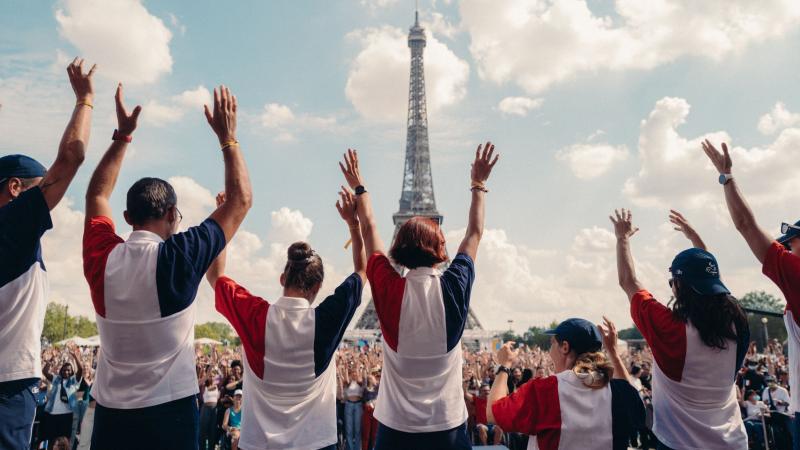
pixel 20 166
pixel 581 334
pixel 789 232
pixel 699 270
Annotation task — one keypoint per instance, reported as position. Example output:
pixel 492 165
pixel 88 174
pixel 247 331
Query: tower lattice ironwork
pixel 416 197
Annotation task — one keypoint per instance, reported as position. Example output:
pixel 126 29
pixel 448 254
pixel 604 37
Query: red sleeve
pixel 665 334
pixel 783 268
pixel 532 409
pixel 387 294
pixel 248 316
pixel 99 238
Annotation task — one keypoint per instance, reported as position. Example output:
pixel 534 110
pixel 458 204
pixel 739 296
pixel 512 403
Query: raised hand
pixel 682 225
pixel 623 225
pixel 507 354
pixel 126 123
pixel 223 117
pixel 346 206
pixel 81 83
pixel 609 333
pixel 722 161
pixel 483 164
pixel 350 169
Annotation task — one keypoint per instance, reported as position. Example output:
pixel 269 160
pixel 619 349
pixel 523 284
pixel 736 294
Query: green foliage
pixel 762 301
pixel 54 324
pixel 218 331
pixel 629 333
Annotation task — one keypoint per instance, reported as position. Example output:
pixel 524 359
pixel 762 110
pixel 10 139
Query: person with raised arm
pixel 588 403
pixel 289 373
pixel 698 342
pixel 28 192
pixel 143 290
pixel 422 316
pixel 779 258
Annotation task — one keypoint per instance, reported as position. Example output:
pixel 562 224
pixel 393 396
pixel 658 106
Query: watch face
pixel 722 178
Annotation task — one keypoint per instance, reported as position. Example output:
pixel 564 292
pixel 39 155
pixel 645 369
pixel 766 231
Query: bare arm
pixel 740 211
pixel 217 267
pixel 481 169
pixel 46 371
pixel 369 230
pixel 78 363
pixel 225 420
pixel 609 333
pixel 238 192
pixel 682 225
pixel 104 178
pixel 623 228
pixel 72 148
pixel 347 210
pixel 505 357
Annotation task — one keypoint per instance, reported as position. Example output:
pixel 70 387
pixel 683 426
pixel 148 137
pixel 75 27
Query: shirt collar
pixel 423 271
pixel 292 302
pixel 144 236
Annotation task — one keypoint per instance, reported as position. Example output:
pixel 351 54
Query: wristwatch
pixel 724 178
pixel 360 190
pixel 117 136
pixel 503 369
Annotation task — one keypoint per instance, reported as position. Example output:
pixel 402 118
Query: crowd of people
pixel 698 383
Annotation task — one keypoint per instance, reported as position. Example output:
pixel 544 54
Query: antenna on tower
pixel 416 14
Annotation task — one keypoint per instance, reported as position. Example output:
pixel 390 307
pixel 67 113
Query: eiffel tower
pixel 416 198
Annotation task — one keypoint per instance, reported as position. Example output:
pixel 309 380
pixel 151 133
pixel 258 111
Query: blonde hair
pixel 593 369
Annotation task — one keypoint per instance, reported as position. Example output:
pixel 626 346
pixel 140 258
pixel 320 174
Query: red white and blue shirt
pixel 289 378
pixel 560 412
pixel 23 285
pixel 783 268
pixel 694 391
pixel 143 292
pixel 422 317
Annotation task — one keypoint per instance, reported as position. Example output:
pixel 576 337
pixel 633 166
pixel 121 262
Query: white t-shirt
pixel 779 394
pixel 59 406
pixel 754 410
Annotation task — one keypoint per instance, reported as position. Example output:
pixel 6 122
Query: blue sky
pixel 593 105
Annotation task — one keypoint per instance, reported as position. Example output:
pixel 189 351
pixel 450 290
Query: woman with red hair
pixel 422 315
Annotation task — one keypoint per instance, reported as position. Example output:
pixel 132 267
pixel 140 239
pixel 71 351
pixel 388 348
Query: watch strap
pixel 360 190
pixel 503 369
pixel 117 136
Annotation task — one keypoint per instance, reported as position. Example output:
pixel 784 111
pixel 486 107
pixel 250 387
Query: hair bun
pixel 300 252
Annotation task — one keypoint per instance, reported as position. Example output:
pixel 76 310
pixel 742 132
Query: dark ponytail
pixel 304 267
pixel 718 318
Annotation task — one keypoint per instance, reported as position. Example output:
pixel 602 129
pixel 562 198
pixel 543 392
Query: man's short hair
pixel 150 198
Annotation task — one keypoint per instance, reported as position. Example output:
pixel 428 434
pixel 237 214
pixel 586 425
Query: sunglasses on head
pixel 785 227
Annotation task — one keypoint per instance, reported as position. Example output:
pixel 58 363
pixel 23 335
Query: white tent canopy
pixel 206 341
pixel 81 342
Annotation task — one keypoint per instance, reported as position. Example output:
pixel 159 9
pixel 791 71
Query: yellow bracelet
pixel 85 103
pixel 228 144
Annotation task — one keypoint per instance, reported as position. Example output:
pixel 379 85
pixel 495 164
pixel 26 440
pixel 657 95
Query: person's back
pixel 289 346
pixel 421 385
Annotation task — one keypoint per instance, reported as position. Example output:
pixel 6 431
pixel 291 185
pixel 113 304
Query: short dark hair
pixel 150 198
pixel 303 267
pixel 419 243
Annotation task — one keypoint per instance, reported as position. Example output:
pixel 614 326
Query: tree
pixel 630 333
pixel 58 324
pixel 216 330
pixel 762 301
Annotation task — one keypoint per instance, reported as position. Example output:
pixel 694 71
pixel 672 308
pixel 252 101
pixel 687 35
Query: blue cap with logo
pixel 581 334
pixel 20 166
pixel 699 270
pixel 789 232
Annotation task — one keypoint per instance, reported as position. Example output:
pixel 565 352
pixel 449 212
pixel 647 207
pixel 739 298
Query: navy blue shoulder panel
pixel 183 260
pixel 456 284
pixel 627 412
pixel 331 318
pixel 22 224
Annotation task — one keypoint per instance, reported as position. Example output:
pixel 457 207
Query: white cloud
pixel 440 26
pixel 156 113
pixel 376 4
pixel 127 42
pixel 285 123
pixel 377 84
pixel 519 106
pixel 536 43
pixel 685 175
pixel 777 119
pixel 588 160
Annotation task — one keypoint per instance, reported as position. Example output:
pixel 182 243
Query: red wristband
pixel 121 137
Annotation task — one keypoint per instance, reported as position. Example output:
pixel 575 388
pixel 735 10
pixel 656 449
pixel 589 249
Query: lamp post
pixel 764 321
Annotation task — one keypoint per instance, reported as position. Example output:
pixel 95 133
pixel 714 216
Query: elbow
pixel 742 224
pixel 75 153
